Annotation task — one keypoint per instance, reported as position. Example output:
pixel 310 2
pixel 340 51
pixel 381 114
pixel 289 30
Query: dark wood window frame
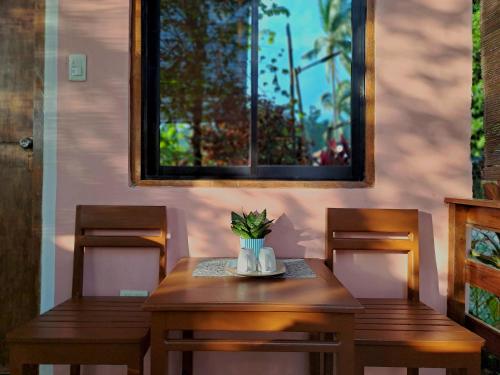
pixel 144 172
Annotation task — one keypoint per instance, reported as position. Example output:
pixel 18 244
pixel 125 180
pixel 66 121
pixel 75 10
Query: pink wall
pixel 423 77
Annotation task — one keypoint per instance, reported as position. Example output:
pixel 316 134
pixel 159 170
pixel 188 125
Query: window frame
pixel 144 138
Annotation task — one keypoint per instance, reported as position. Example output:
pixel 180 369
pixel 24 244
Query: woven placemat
pixel 295 268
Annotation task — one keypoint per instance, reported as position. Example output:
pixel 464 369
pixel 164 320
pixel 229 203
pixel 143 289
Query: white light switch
pixel 77 67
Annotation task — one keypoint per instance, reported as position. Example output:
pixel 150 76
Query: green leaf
pixel 262 233
pixel 240 226
pixel 251 220
pixel 261 218
pixel 494 307
pixel 235 217
pixel 491 260
pixel 241 233
pixel 268 222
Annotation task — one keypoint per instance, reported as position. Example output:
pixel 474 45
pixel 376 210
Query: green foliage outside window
pixel 485 248
pixel 205 82
pixel 477 139
pixel 477 104
pixel 485 306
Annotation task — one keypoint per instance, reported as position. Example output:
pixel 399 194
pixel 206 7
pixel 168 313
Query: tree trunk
pixel 335 120
pixel 199 30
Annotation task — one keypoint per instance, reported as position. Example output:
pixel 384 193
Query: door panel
pixel 16 72
pixel 21 116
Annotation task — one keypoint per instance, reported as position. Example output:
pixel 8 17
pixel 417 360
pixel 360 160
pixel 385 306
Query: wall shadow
pixel 286 239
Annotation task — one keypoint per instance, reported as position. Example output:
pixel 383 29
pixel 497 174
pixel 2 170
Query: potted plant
pixel 252 228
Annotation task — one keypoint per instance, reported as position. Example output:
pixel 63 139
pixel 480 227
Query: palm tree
pixel 339 103
pixel 335 21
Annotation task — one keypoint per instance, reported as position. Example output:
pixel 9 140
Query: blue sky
pixel 305 29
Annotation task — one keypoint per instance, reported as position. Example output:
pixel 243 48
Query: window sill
pixel 276 184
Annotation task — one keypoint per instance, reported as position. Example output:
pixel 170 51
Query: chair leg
pixel 328 358
pixel 20 369
pixel 30 369
pixel 359 368
pixel 321 363
pixel 474 365
pixel 412 371
pixel 328 362
pixel 74 369
pixel 187 357
pixel 15 368
pixel 314 358
pixel 315 363
pixel 136 368
pixel 473 370
pixel 16 362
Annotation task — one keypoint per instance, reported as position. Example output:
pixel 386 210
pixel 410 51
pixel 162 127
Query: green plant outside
pixel 204 98
pixel 477 105
pixel 485 248
pixel 485 306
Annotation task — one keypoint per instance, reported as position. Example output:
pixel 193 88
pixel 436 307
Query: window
pixel 252 90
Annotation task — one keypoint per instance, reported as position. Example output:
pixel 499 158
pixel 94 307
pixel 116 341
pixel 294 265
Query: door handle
pixel 26 143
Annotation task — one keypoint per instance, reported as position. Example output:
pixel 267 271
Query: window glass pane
pixel 204 82
pixel 485 306
pixel 305 53
pixel 485 248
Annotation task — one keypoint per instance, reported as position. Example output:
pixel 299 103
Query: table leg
pixel 159 357
pixel 345 356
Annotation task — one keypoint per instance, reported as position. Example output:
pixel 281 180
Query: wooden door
pixel 21 118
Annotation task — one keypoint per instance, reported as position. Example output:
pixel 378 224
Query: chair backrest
pixel 90 220
pixel 375 230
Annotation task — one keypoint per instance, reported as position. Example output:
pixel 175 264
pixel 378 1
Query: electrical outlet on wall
pixel 77 67
pixel 133 293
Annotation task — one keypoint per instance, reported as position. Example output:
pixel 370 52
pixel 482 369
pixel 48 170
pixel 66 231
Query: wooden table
pixel 320 305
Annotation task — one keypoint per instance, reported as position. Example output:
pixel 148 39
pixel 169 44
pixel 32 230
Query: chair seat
pixel 405 323
pixel 88 320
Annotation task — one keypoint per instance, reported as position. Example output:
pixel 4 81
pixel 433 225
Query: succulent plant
pixel 251 226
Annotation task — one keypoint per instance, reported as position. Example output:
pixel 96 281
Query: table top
pixel 180 291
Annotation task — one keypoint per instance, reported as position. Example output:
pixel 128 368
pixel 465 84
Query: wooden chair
pixel 398 332
pixel 95 330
